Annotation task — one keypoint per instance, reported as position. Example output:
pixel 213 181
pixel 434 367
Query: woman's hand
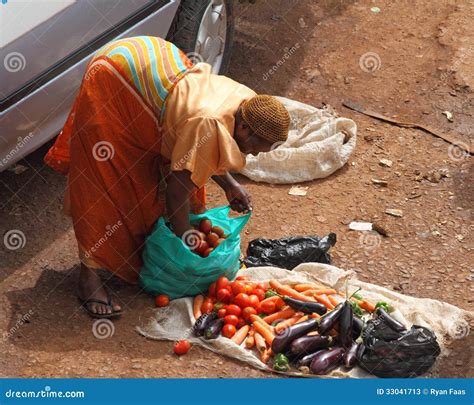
pixel 239 199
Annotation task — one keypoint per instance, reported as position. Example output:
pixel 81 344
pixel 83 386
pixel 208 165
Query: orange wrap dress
pixel 143 110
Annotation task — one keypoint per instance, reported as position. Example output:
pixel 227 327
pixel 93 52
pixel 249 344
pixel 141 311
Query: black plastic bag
pixel 387 353
pixel 289 252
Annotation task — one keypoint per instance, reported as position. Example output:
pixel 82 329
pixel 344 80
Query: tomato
pixel 228 331
pixel 222 313
pixel 279 303
pixel 207 306
pixel 261 286
pixel 233 309
pixel 259 293
pixel 207 252
pixel 241 278
pixel 205 225
pixel 238 287
pixel 247 312
pixel 223 295
pixel 219 231
pixel 212 239
pixel 242 300
pixel 181 347
pixel 231 320
pixel 241 323
pixel 268 307
pixel 201 247
pixel 212 290
pixel 248 289
pixel 254 301
pixel 162 300
pixel 222 282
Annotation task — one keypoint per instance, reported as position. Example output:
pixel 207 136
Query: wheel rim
pixel 210 43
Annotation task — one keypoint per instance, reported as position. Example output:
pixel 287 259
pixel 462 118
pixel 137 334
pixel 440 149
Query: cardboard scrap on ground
pixel 175 321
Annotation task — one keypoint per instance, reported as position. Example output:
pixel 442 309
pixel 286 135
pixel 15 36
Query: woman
pixel 146 132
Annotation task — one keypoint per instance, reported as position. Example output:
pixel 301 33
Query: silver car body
pixel 45 47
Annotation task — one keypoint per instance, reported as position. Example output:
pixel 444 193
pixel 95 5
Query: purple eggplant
pixel 305 306
pixel 328 321
pixel 393 323
pixel 345 325
pixel 305 361
pixel 357 326
pixel 350 356
pixel 214 328
pixel 326 360
pixel 203 322
pixel 309 344
pixel 284 338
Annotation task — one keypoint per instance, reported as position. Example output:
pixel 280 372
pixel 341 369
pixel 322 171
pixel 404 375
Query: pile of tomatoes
pixel 208 237
pixel 236 301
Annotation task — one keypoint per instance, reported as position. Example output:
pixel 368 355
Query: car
pixel 45 49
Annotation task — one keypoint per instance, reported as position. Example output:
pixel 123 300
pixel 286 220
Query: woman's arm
pixel 178 190
pixel 239 199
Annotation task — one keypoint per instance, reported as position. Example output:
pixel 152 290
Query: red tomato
pixel 247 312
pixel 254 301
pixel 242 278
pixel 238 287
pixel 222 313
pixel 181 347
pixel 228 331
pixel 207 252
pixel 279 303
pixel 223 295
pixel 205 225
pixel 162 300
pixel 207 306
pixel 212 290
pixel 242 300
pixel 241 323
pixel 248 289
pixel 261 286
pixel 268 307
pixel 231 320
pixel 222 282
pixel 259 293
pixel 233 309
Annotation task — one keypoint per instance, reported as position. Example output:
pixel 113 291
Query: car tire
pixel 185 28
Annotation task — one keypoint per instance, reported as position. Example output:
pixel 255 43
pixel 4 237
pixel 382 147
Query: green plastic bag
pixel 171 268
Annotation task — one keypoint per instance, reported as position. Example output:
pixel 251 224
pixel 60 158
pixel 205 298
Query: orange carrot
pixel 327 291
pixel 334 301
pixel 275 299
pixel 240 335
pixel 256 319
pixel 198 300
pixel 302 319
pixel 314 315
pixel 250 341
pixel 323 300
pixel 265 356
pixel 287 290
pixel 283 314
pixel 310 293
pixel 284 324
pixel 305 287
pixel 267 334
pixel 260 342
pixel 367 305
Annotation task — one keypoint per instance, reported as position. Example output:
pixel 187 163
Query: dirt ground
pixel 422 65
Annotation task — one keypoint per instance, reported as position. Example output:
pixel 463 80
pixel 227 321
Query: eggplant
pixel 305 306
pixel 213 330
pixel 305 361
pixel 326 360
pixel 308 344
pixel 350 356
pixel 284 338
pixel 328 321
pixel 393 323
pixel 357 326
pixel 345 325
pixel 203 322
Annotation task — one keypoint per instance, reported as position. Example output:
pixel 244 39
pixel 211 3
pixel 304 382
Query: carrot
pixel 334 301
pixel 240 335
pixel 305 287
pixel 256 319
pixel 284 324
pixel 327 291
pixel 265 356
pixel 260 342
pixel 250 341
pixel 314 315
pixel 302 319
pixel 313 333
pixel 367 305
pixel 310 293
pixel 283 314
pixel 267 334
pixel 287 290
pixel 198 300
pixel 323 300
pixel 275 299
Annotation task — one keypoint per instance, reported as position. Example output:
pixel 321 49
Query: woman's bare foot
pixel 91 288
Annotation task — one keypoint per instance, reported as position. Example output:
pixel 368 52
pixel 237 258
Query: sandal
pixel 85 305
